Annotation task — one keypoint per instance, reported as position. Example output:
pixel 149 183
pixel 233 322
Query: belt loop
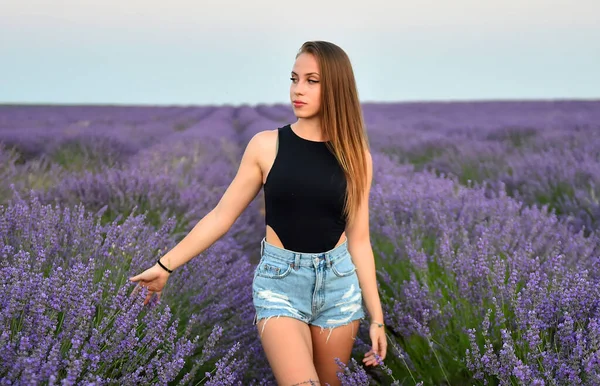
pixel 262 247
pixel 297 261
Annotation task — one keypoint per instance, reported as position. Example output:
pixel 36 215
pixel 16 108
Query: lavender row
pixel 543 152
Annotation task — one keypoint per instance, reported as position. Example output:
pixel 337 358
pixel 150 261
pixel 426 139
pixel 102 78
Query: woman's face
pixel 305 86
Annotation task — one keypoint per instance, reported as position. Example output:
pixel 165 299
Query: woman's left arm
pixel 359 246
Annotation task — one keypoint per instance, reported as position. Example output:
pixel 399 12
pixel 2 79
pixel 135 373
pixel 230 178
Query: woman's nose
pixel 299 88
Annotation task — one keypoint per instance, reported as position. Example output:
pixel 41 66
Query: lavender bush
pixel 90 151
pixel 123 191
pixel 36 174
pixel 7 169
pixel 67 314
pixel 460 270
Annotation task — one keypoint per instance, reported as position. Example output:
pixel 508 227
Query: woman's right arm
pixel 242 190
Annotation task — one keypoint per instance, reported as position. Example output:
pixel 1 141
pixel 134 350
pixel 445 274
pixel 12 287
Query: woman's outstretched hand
pixel 154 278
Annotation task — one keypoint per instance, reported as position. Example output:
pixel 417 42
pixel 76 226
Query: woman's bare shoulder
pixel 264 140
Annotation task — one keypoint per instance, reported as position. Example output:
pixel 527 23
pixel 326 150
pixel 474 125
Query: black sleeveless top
pixel 304 194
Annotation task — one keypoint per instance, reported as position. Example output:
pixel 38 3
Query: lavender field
pixel 485 222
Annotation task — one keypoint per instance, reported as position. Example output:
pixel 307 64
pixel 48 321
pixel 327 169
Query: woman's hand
pixel 154 278
pixel 378 345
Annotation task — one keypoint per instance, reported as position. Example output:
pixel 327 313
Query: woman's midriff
pixel 272 238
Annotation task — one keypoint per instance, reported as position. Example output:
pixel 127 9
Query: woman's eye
pixel 309 81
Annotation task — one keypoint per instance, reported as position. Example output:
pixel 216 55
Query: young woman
pixel 317 263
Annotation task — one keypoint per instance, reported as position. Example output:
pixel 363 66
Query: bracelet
pixel 165 268
pixel 378 324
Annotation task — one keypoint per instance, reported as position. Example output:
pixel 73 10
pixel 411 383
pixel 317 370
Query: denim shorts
pixel 321 289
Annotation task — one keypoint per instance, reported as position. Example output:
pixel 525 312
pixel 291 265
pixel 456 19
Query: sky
pixel 216 52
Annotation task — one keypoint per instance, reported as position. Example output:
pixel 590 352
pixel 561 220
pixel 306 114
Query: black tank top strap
pixel 283 138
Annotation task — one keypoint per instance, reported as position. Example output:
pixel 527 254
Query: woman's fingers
pixel 147 275
pixel 137 277
pixel 137 288
pixel 152 289
pixel 370 359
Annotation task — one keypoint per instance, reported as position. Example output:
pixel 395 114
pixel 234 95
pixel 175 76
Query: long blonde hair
pixel 341 118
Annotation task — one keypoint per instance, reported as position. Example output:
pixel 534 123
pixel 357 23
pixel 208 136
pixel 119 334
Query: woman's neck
pixel 309 129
